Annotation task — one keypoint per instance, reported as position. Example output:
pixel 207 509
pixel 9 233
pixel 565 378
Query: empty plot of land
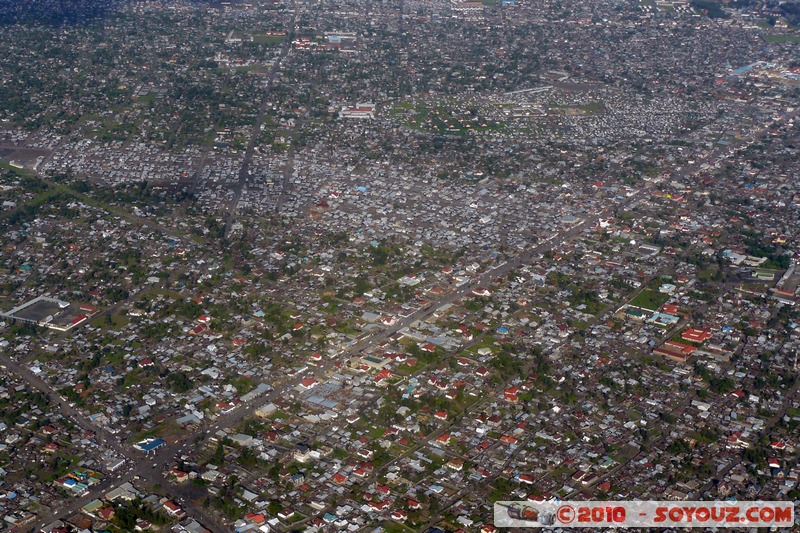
pixel 649 299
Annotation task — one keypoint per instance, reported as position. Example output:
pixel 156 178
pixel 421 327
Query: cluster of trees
pixel 70 394
pixel 712 8
pixel 790 11
pixel 207 63
pixel 248 459
pixel 22 329
pixel 380 254
pixel 424 357
pixel 187 308
pixel 117 294
pixel 679 446
pixel 125 516
pixel 215 228
pixel 157 330
pixel 225 502
pixel 585 297
pixel 179 382
pixel 757 248
pixel 30 210
pixel 506 364
pixel 11 416
pixel 717 385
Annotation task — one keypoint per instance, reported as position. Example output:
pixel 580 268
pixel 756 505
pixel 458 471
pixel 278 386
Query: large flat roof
pixel 148 445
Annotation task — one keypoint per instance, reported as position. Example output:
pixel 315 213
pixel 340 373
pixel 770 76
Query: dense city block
pixel 343 265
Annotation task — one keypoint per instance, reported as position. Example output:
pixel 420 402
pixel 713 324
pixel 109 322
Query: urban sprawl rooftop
pixel 316 266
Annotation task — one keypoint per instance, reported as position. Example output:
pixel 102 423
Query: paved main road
pixel 244 170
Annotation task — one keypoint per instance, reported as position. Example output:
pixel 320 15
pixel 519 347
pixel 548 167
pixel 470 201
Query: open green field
pixel 18 171
pixel 649 299
pixel 113 321
pixel 273 40
pixel 443 118
pixel 149 98
pixel 395 527
pixel 782 38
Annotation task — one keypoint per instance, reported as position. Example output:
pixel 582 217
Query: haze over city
pixel 342 265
